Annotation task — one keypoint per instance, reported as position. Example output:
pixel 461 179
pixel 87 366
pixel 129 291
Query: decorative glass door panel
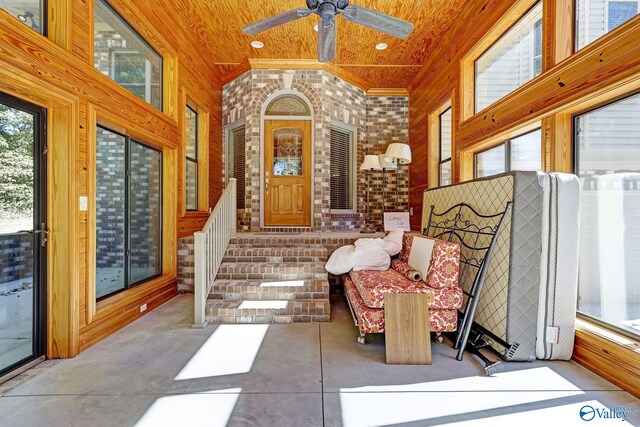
pixel 287 175
pixel 23 232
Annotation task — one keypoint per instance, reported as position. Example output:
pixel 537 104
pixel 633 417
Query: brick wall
pixel 16 257
pixel 186 259
pixel 387 122
pixel 378 121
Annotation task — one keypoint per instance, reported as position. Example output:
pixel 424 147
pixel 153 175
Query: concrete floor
pixel 159 372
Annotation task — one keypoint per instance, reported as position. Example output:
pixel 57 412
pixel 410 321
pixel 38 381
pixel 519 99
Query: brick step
pixel 238 290
pixel 277 255
pixel 271 271
pixel 278 311
pixel 275 241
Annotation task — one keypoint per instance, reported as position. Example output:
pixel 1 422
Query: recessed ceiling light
pixel 315 27
pixel 257 44
pixel 381 46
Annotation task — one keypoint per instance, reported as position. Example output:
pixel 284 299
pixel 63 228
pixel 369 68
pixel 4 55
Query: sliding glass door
pixel 128 212
pixel 23 233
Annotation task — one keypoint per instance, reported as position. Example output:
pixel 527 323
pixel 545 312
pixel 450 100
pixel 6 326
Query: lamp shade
pixel 399 153
pixel 371 162
pixel 385 163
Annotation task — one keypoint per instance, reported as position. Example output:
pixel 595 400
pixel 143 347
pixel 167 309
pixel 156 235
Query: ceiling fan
pixel 328 10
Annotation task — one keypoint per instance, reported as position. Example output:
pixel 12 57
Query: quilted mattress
pixel 512 302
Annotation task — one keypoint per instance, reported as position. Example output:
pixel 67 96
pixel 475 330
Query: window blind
pixel 237 148
pixel 341 169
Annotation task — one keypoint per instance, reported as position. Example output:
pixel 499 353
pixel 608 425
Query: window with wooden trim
pixel 128 212
pixel 31 12
pixel 595 18
pixel 236 162
pixel 607 160
pixel 342 157
pixel 513 60
pixel 522 153
pixel 191 160
pixel 444 162
pixel 120 53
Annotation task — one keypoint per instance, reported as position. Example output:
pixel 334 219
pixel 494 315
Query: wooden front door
pixel 287 173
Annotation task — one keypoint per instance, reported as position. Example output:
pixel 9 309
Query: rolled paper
pixel 413 275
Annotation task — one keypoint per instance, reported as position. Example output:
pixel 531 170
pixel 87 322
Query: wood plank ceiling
pixel 218 23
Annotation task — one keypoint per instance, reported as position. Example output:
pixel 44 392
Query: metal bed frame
pixel 476 234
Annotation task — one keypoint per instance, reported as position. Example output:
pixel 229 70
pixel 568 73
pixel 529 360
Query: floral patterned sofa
pixel 365 289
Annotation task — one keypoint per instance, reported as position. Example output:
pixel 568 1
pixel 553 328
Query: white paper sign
pixel 396 221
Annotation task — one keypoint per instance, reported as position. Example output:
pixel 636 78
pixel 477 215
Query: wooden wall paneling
pixel 182 200
pixel 82 30
pixel 62 213
pixel 59 22
pixel 558 31
pixel 64 80
pixel 561 143
pixel 169 212
pixel 615 361
pixel 90 280
pixel 388 92
pixel 113 315
pixel 170 85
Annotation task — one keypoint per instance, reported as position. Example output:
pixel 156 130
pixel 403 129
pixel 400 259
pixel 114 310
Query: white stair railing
pixel 210 246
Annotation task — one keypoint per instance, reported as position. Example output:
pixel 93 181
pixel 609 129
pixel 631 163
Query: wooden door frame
pixel 310 118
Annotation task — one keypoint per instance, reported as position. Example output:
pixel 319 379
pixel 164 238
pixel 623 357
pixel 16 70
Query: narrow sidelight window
pixel 444 173
pixel 342 170
pixel 191 165
pixel 128 212
pixel 123 55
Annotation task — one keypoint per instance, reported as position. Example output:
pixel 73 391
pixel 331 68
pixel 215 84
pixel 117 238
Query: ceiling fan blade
pixel 274 21
pixel 326 40
pixel 378 21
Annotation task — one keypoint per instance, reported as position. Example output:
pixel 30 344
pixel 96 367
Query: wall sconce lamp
pixel 398 154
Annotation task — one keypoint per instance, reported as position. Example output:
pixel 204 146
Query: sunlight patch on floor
pixel 200 409
pixel 422 401
pixel 263 304
pixel 292 283
pixel 230 350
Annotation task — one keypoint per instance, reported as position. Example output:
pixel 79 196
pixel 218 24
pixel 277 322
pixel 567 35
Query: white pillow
pixel 420 255
pixel 370 255
pixel 340 261
pixel 392 243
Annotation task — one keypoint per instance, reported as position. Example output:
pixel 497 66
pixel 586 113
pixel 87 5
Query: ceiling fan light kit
pixel 327 10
